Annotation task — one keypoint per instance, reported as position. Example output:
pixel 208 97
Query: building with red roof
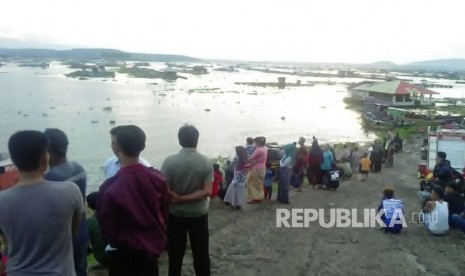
pixel 393 93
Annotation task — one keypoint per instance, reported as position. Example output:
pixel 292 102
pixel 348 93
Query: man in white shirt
pixel 112 164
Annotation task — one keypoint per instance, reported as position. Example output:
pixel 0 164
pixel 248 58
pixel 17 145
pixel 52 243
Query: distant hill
pixel 89 54
pixel 438 64
pixel 382 65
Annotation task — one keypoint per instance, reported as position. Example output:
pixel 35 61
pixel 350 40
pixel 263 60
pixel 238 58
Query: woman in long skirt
pixel 355 161
pixel 257 169
pixel 285 173
pixel 315 158
pixel 390 157
pixel 235 195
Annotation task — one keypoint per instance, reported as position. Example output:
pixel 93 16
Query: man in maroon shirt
pixel 132 210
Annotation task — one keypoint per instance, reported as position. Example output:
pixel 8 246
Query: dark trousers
pixel 324 176
pixel 268 192
pixel 129 262
pixel 197 228
pixel 80 260
pixel 313 175
pixel 285 175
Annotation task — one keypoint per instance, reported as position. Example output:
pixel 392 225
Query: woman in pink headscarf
pixel 257 169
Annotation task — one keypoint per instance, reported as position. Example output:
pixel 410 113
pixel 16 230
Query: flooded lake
pixel 34 98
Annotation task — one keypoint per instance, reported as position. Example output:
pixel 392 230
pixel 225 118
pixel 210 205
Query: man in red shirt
pixel 132 209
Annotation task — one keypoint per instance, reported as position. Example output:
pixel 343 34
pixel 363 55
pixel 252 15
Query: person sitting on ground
pixel 45 214
pixel 393 209
pixel 436 212
pixel 97 244
pixel 454 199
pixel 217 180
pixel 333 181
pixel 442 172
pixel 365 164
pixel 458 221
pixel 268 183
pixel 344 169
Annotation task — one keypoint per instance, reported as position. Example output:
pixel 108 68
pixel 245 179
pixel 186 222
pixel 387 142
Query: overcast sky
pixel 280 30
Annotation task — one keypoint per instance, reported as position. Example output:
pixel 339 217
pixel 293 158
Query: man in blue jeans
pixel 63 170
pixel 458 221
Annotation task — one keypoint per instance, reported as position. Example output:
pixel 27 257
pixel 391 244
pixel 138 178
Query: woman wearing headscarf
pixel 377 157
pixel 355 161
pixel 301 160
pixel 257 169
pixel 285 172
pixel 315 158
pixel 328 159
pixel 235 195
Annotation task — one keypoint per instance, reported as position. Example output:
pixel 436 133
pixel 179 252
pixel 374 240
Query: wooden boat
pixel 372 120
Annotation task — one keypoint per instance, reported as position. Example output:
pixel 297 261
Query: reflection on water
pixel 36 99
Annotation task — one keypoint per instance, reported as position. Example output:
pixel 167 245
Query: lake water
pixel 49 99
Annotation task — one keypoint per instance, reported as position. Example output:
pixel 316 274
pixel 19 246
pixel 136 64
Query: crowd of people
pixel 442 198
pixel 140 212
pixel 249 177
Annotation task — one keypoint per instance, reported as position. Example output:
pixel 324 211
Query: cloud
pixel 295 30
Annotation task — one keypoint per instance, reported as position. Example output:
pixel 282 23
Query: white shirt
pixel 370 149
pixel 439 218
pixel 286 162
pixel 112 166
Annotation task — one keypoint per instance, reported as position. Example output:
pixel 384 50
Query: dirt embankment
pixel 249 243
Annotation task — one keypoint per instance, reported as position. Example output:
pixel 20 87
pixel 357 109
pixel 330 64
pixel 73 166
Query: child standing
pixel 365 164
pixel 217 180
pixel 268 183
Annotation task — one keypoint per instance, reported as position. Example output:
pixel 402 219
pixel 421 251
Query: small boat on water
pixel 372 120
